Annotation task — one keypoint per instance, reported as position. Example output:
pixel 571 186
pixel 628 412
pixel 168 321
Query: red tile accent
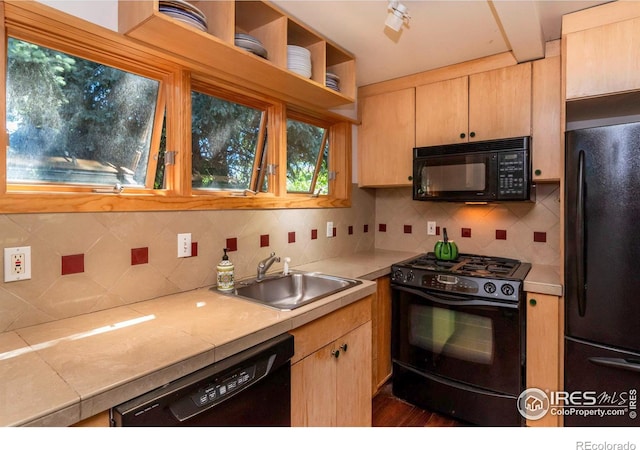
pixel 366 228
pixel 466 232
pixel 350 229
pixel 264 240
pixel 139 256
pixel 437 231
pixel 501 235
pixel 292 237
pixel 335 231
pixel 194 249
pixel 72 264
pixel 382 227
pixel 539 236
pixel 314 234
pixel 232 245
pixel 408 229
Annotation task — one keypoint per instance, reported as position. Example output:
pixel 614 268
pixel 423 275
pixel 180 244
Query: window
pixel 74 121
pixel 307 158
pixel 98 121
pixel 227 144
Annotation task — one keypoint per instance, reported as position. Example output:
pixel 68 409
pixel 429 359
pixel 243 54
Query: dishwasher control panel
pixel 216 392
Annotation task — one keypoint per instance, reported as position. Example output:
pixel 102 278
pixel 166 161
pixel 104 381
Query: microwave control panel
pixel 512 175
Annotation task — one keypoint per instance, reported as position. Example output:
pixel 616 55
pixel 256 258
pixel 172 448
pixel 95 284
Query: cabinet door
pixel 547 134
pixel 442 112
pixel 500 103
pixel 603 60
pixel 381 333
pixel 386 138
pixel 313 389
pixel 353 382
pixel 544 341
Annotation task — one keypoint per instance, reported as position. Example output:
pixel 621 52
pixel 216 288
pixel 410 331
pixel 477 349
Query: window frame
pixel 199 84
pixel 43 25
pixel 292 114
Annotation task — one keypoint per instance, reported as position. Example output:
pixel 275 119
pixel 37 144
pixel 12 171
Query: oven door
pixel 456 177
pixel 470 341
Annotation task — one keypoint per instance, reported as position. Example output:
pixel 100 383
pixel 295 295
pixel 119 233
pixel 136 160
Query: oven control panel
pixel 478 287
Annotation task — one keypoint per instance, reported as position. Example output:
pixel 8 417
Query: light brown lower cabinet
pixel 381 333
pixel 331 369
pixel 545 331
pixel 99 420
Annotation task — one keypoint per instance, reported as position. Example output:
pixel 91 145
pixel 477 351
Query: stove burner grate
pixel 467 264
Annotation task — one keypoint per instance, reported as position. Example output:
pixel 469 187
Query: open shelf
pixel 213 52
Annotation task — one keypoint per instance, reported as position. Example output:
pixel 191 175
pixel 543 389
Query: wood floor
pixel 389 411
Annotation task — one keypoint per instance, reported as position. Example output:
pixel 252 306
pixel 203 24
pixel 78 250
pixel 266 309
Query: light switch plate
pixel 184 245
pixel 431 228
pixel 329 229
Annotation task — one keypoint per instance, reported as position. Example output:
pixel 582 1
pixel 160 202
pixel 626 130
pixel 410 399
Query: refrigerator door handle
pixel 580 269
pixel 632 365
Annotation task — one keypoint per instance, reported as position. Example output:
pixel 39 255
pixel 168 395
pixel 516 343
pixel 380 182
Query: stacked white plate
pixel 299 60
pixel 184 12
pixel 332 81
pixel 250 44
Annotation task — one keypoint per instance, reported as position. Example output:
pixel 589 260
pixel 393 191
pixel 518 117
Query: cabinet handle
pixel 472 134
pixel 538 172
pixel 462 135
pixel 344 347
pixel 335 353
pixel 409 178
pixel 533 302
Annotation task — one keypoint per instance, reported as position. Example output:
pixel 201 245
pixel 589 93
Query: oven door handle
pixel 632 365
pixel 455 301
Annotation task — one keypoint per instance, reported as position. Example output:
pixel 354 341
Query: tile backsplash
pixel 85 262
pixel 522 230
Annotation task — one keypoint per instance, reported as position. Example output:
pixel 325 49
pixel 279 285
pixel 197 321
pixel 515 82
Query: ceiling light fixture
pixel 398 15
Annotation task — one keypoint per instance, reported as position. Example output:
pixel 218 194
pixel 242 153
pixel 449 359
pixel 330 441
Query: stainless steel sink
pixel 287 292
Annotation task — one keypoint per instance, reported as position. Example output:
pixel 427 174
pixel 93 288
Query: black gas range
pixel 481 276
pixel 459 336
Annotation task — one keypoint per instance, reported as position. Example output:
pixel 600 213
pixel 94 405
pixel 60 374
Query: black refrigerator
pixel 602 275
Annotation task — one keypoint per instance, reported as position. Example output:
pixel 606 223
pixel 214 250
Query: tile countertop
pixel 543 279
pixel 59 373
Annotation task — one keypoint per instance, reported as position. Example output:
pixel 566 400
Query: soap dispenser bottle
pixel 225 273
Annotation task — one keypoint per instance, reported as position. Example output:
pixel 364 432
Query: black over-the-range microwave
pixel 486 171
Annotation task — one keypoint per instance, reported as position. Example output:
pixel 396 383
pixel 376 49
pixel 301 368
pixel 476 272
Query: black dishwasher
pixel 251 388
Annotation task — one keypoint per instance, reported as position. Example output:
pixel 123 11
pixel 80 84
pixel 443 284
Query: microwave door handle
pixel 455 302
pixel 580 239
pixel 632 365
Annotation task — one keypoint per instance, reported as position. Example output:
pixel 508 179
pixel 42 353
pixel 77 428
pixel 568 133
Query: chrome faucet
pixel 264 265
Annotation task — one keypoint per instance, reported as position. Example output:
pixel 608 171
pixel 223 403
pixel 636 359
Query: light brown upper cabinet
pixel 386 137
pixel 602 50
pixel 488 105
pixel 546 127
pixel 442 114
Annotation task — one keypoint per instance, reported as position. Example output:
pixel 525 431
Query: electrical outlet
pixel 184 245
pixel 329 229
pixel 17 264
pixel 431 228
